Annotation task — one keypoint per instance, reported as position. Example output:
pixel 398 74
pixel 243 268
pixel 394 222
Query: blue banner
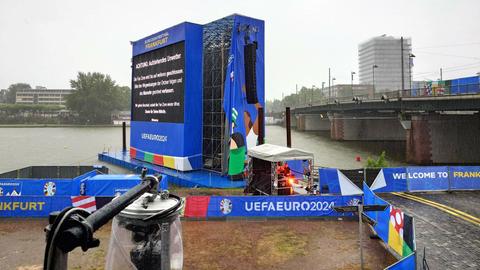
pixel 329 177
pixel 160 39
pixel 390 180
pixel 33 187
pixel 32 206
pixel 421 178
pixel 427 178
pixel 407 263
pixel 243 123
pixel 278 206
pixel 110 185
pixel 10 187
pixel 462 178
pixel 381 217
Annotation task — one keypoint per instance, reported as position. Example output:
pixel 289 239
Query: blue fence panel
pixel 392 180
pixel 407 263
pixel 278 206
pixel 32 206
pixel 467 85
pixel 110 185
pixel 381 217
pixel 31 187
pixel 427 178
pixel 297 167
pixel 329 177
pixel 464 178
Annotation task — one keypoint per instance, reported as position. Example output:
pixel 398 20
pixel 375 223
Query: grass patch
pixel 280 246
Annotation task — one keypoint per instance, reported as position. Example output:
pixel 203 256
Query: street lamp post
pixel 352 73
pixel 323 89
pixel 373 77
pixel 333 84
pixel 313 88
pixel 329 88
pixel 410 64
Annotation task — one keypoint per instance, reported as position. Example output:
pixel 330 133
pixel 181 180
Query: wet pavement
pixel 451 243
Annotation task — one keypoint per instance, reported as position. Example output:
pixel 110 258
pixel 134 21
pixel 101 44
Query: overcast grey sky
pixel 47 42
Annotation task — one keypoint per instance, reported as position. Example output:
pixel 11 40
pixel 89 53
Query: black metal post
pixel 288 127
pixel 360 232
pixel 329 91
pixel 124 137
pixel 261 126
pixel 403 72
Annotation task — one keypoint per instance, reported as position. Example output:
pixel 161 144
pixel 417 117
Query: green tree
pixel 96 97
pixel 125 97
pixel 381 162
pixel 12 91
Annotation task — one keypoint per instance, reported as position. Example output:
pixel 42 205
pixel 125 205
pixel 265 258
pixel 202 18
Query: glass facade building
pixel 385 53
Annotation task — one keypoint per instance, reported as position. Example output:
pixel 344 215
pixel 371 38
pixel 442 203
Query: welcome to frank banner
pixel 434 178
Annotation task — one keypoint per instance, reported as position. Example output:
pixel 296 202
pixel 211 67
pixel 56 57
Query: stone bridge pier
pixel 313 122
pixel 345 127
pixel 443 138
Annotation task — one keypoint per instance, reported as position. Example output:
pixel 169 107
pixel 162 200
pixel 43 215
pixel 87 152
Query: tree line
pixel 301 98
pixel 95 97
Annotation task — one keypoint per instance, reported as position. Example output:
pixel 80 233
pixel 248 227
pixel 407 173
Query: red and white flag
pixel 86 202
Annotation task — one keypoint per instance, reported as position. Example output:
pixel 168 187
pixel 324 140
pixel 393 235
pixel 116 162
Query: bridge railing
pixel 426 91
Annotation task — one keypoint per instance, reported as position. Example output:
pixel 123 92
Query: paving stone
pixel 451 243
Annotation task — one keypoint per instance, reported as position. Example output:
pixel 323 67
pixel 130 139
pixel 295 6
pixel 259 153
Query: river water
pixel 22 147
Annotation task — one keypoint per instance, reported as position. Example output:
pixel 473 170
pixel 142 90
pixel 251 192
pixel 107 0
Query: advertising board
pixel 166 126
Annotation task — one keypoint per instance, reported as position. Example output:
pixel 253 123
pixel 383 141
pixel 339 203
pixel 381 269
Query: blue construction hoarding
pixel 166 126
pixel 467 85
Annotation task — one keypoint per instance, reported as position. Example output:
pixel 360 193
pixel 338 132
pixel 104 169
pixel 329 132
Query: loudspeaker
pixel 250 58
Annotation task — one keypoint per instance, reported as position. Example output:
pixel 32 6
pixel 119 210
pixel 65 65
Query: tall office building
pixel 380 63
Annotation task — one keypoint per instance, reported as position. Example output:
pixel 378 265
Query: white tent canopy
pixel 275 153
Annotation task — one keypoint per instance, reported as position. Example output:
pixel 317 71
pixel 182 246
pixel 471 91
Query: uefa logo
pixel 353 202
pixel 49 189
pixel 226 206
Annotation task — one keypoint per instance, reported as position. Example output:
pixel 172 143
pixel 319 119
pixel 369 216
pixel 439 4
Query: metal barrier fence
pixel 428 90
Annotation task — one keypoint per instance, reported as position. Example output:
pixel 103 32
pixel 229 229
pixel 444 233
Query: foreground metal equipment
pixel 74 227
pixel 147 235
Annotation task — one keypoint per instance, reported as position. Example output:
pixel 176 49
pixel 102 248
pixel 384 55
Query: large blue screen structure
pixel 167 98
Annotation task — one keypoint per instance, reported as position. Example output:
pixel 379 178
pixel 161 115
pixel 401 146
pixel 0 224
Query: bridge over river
pixel 436 129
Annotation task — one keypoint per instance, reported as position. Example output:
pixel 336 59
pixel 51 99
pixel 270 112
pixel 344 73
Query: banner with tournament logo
pixel 10 188
pixel 266 206
pixel 31 187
